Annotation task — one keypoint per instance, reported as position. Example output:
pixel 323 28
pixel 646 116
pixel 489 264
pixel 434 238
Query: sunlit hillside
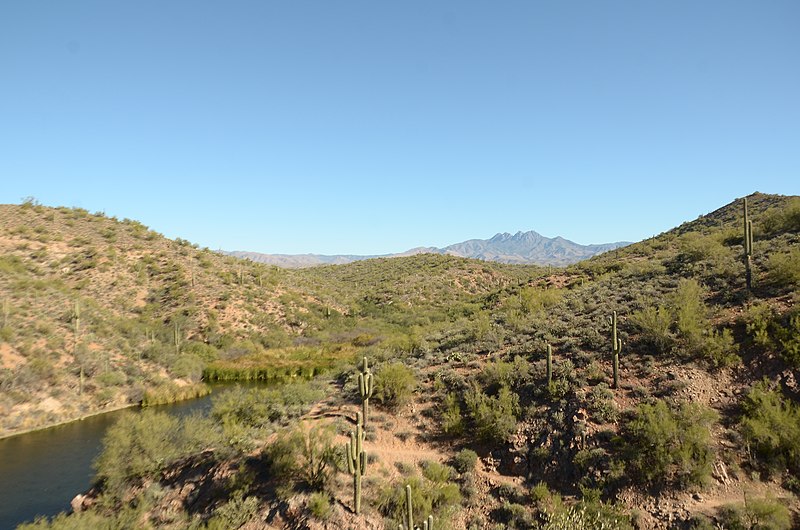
pixel 699 426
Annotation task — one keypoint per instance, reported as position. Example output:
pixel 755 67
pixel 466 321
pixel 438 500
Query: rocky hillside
pixel 526 248
pixel 98 313
pixel 697 427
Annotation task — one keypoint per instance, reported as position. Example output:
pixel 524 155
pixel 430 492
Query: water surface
pixel 42 471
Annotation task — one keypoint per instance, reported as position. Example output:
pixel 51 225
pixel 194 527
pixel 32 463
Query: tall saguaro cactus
pixel 549 364
pixel 356 462
pixel 616 348
pixel 176 338
pixel 409 517
pixel 748 247
pixel 365 386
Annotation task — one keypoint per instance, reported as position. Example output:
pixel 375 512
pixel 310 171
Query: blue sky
pixel 373 127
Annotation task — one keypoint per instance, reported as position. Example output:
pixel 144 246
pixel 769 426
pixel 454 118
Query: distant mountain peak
pixel 521 248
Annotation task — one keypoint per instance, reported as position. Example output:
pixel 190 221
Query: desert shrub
pixel 588 459
pixel 465 461
pixel 720 350
pixel 498 374
pixel 426 498
pixel 690 311
pixel 771 426
pixel 670 446
pixel 788 337
pixel 512 515
pixel 234 514
pixel 494 417
pixel 305 457
pixel 140 445
pixel 112 378
pixel 452 421
pixel 759 514
pixel 758 321
pixel 782 219
pixel 694 247
pixel 766 329
pixel 654 324
pixel 535 299
pixel 124 517
pixel 258 407
pixel 394 385
pixel 319 504
pixel 600 404
pixel 188 366
pixel 784 269
pixel 586 517
pixel 436 472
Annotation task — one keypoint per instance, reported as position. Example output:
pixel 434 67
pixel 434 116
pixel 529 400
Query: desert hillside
pixel 700 427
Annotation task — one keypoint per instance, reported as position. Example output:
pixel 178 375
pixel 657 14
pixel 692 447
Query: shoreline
pixel 68 421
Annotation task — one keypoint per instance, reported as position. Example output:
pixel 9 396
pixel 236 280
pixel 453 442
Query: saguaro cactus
pixel 409 517
pixel 365 386
pixel 356 462
pixel 77 321
pixel 549 364
pixel 176 338
pixel 616 348
pixel 748 247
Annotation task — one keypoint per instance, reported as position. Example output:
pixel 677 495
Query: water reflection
pixel 40 472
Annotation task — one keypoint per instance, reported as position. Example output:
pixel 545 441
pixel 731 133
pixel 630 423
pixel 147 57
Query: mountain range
pixel 521 248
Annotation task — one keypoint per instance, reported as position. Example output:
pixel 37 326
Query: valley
pixel 701 426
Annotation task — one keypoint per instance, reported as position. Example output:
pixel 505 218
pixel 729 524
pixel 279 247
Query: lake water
pixel 42 471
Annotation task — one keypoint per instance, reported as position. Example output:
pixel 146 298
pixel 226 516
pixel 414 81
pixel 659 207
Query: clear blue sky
pixel 372 127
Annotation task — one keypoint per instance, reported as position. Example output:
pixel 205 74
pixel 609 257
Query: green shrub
pixel 760 514
pixel 319 504
pixel 113 378
pixel 586 517
pixel 782 219
pixel 654 324
pixel 234 514
pixel 188 366
pixel 534 300
pixel 452 422
pixel 690 311
pixel 258 407
pixel 758 321
pixel 600 404
pixel 667 446
pixel 305 457
pixel 427 498
pixel 494 417
pixel 512 515
pixel 788 337
pixel 141 445
pixel 771 426
pixel 720 349
pixel 784 269
pixel 465 461
pixel 436 472
pixel 394 385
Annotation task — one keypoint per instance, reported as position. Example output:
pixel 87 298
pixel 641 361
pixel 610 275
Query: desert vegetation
pixel 651 386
